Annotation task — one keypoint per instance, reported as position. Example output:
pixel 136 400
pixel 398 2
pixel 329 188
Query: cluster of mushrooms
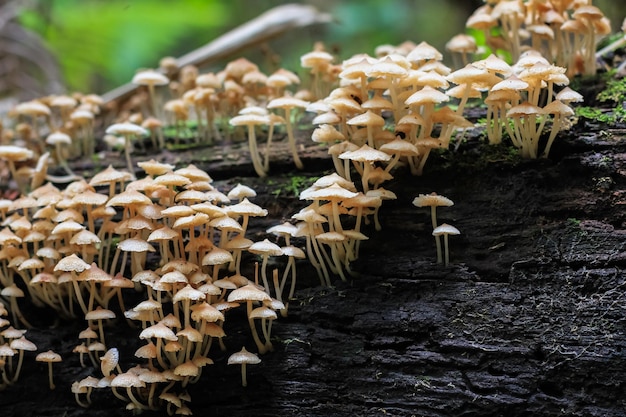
pixel 167 235
pixel 170 235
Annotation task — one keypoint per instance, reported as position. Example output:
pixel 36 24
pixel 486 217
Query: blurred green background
pixel 100 44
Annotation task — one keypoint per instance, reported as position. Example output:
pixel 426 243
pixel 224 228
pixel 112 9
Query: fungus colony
pixel 78 248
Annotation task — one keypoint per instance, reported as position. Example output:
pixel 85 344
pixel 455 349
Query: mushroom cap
pixel 126 129
pixel 108 176
pixel 368 118
pixel 243 357
pixel 248 293
pixel 48 356
pixel 445 229
pixel 432 199
pixel 150 77
pixel 58 138
pixel 249 119
pixel 135 245
pixel 72 263
pixel 153 167
pixel 32 108
pixel 332 192
pixel 245 207
pixel 241 191
pixel 558 107
pixel 217 256
pixel 158 330
pixel 126 380
pixel 109 361
pixel 265 247
pixel 426 95
pixel 15 153
pixel 365 154
pixel 187 369
pixel 263 313
pixel 287 103
pixel 207 312
pixel 22 344
pixel 100 314
pixel 188 293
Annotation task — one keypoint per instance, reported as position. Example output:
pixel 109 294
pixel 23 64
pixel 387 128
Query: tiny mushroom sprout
pixel 129 131
pixel 445 230
pixel 433 200
pixel 243 358
pixel 49 357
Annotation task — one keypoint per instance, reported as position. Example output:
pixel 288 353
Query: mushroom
pixel 445 230
pixel 150 78
pixel 243 358
pixel 49 357
pixel 287 104
pixel 251 120
pixel 129 131
pixel 13 154
pixel 266 249
pixel 59 140
pixel 433 200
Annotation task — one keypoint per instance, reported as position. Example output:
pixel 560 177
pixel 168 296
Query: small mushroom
pixel 243 358
pixel 49 357
pixel 445 230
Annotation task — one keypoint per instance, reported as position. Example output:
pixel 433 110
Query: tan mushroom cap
pixel 243 357
pixel 32 108
pixel 365 154
pixel 188 293
pixel 48 356
pixel 265 247
pixel 369 118
pixel 158 331
pixel 108 176
pixel 423 52
pixel 126 129
pixel 153 167
pixel 206 312
pixel 245 207
pixel 248 292
pixel 249 119
pixel 217 256
pixel 58 138
pixel 135 245
pixel 150 77
pixel 432 199
pixel 241 191
pixel 426 95
pixel 15 153
pixel 23 344
pixel 100 314
pixel 72 263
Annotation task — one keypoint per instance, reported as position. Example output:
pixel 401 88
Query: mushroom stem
pixel 254 152
pixel 447 252
pixel 292 140
pixel 255 335
pixel 433 217
pixel 50 379
pixel 244 379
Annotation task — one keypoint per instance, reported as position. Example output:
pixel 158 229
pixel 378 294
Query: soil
pixel 528 319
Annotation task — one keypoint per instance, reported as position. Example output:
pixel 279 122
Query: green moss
pixel 294 186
